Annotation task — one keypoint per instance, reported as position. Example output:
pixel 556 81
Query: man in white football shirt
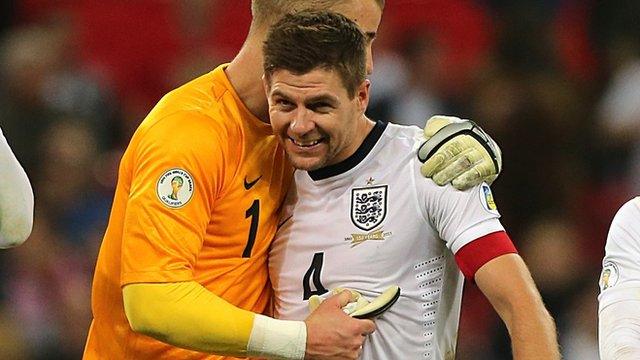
pixel 619 309
pixel 361 216
pixel 16 199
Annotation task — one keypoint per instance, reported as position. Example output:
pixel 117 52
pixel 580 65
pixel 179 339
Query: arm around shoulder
pixel 16 199
pixel 460 152
pixel 508 285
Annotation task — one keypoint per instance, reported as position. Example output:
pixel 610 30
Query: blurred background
pixel 556 83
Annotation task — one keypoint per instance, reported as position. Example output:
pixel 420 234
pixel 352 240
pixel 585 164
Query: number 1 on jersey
pixel 254 213
pixel 314 272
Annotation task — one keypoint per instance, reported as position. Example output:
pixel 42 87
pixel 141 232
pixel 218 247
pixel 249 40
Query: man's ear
pixel 362 95
pixel 266 85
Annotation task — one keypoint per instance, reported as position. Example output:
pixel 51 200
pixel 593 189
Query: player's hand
pixel 334 335
pixel 460 152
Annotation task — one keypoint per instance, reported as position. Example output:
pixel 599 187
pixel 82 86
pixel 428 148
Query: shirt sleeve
pixel 619 299
pixel 16 199
pixel 460 217
pixel 620 276
pixel 618 329
pixel 178 169
pixel 467 221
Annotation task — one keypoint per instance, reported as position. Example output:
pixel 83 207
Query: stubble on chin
pixel 306 165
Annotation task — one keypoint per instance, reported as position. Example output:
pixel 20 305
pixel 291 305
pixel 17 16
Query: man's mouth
pixel 306 143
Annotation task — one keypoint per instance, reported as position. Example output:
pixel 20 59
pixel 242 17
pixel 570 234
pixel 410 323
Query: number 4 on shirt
pixel 314 273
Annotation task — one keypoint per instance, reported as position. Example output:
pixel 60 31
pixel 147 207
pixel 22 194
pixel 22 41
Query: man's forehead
pixel 315 77
pixel 312 80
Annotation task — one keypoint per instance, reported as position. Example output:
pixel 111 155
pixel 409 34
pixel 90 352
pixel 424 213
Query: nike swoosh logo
pixel 249 184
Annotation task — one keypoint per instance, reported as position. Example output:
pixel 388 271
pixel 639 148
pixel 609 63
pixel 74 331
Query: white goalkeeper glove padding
pixel 362 308
pixel 460 152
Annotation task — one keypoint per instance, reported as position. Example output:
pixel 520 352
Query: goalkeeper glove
pixel 362 308
pixel 458 151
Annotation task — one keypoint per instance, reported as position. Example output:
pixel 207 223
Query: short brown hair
pixel 308 40
pixel 265 10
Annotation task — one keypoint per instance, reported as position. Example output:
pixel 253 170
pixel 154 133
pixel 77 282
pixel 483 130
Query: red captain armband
pixel 482 250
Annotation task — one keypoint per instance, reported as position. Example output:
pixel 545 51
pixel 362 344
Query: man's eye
pixel 321 107
pixel 284 103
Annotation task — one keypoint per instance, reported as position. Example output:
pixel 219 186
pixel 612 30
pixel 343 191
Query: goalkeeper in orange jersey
pixel 182 269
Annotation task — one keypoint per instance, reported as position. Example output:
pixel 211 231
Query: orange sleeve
pixel 178 169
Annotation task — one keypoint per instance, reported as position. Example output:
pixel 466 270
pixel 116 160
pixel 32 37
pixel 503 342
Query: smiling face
pixel 314 117
pixel 316 87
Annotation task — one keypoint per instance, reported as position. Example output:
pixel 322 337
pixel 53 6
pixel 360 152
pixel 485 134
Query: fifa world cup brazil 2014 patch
pixel 368 206
pixel 609 276
pixel 175 188
pixel 486 198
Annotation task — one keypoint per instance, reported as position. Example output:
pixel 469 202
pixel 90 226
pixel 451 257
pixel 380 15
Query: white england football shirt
pixel 619 299
pixel 373 221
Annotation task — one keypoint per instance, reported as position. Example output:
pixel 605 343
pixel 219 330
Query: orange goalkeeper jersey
pixel 198 193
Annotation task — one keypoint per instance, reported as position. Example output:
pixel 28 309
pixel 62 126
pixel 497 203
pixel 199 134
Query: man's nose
pixel 302 122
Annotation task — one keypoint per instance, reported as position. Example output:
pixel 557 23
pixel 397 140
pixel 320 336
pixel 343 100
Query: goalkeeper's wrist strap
pixel 277 339
pixel 448 132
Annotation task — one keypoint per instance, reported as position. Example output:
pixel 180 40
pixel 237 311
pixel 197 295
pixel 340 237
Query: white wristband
pixel 277 339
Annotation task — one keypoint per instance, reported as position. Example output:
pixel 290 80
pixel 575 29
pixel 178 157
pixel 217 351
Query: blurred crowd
pixel 555 82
